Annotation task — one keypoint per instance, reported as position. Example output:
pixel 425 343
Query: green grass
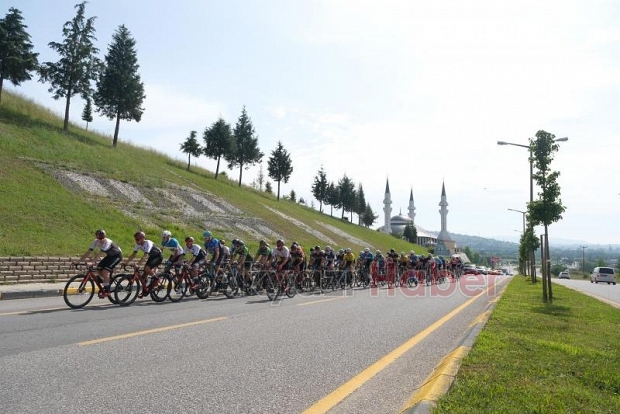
pixel 41 217
pixel 536 358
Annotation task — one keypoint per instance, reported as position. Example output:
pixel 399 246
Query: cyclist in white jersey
pixel 113 256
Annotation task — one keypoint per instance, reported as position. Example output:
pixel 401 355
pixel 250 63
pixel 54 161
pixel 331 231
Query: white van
pixel 603 274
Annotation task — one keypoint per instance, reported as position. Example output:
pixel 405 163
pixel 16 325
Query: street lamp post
pixel 524 213
pixel 529 147
pixel 583 259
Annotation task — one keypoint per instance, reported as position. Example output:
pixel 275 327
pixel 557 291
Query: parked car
pixel 564 275
pixel 470 269
pixel 604 275
pixel 482 270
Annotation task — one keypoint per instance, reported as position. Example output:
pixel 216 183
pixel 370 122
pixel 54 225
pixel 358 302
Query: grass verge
pixel 537 358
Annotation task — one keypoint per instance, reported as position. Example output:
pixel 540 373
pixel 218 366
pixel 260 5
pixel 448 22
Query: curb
pixel 29 294
pixel 424 399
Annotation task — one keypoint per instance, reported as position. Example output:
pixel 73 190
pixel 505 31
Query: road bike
pixel 129 287
pixel 280 283
pixel 81 288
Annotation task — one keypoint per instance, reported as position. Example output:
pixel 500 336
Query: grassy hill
pixel 57 189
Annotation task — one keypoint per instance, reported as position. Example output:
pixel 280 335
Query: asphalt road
pixel 357 351
pixel 601 291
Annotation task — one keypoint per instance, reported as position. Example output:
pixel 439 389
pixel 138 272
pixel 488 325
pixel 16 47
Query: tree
pixel 218 141
pixel 120 92
pixel 293 196
pixel 548 208
pixel 279 166
pixel 346 188
pixel 244 149
pixel 332 198
pixel 360 203
pixel 78 65
pixel 369 217
pixel 260 178
pixel 16 57
pixel 319 188
pixel 410 233
pixel 87 113
pixel 191 147
pixel 268 188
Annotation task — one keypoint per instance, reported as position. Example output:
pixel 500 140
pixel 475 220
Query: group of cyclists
pixel 215 253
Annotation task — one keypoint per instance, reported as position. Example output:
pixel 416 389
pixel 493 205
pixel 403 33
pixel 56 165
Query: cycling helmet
pixel 240 243
pixel 367 249
pixel 222 241
pixel 347 250
pixel 234 241
pixel 341 251
pixel 279 242
pixel 378 251
pixel 262 242
pixel 206 234
pixel 430 255
pixel 165 234
pixel 317 247
pixel 100 234
pixel 189 239
pixel 411 252
pixel 328 248
pixel 139 235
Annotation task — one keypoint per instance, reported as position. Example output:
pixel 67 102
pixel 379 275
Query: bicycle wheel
pixel 160 287
pixel 204 286
pixel 126 290
pixel 180 284
pixel 290 289
pixel 78 291
pixel 273 287
pixel 113 281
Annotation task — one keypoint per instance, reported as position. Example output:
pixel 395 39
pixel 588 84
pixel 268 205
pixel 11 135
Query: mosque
pixel 444 245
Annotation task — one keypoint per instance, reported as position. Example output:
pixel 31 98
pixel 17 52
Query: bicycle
pixel 129 287
pixel 182 284
pixel 278 283
pixel 80 289
pixel 209 283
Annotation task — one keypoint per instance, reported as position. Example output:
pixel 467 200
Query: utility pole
pixel 583 259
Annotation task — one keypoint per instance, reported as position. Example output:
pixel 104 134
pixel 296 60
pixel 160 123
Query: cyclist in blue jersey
pixel 212 247
pixel 176 250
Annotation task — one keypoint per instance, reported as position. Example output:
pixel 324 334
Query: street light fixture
pixel 529 147
pixel 522 212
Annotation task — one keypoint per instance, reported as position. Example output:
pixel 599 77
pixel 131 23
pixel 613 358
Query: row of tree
pixel 118 93
pixel 238 147
pixel 343 195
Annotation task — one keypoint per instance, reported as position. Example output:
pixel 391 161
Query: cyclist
pixel 212 247
pixel 225 251
pixel 330 258
pixel 150 252
pixel 298 257
pixel 242 256
pixel 198 257
pixel 367 258
pixel 263 254
pixel 348 259
pixel 113 256
pixel 380 261
pixel 281 255
pixel 176 251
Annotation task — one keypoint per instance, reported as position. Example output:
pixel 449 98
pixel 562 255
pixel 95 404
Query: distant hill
pixel 490 247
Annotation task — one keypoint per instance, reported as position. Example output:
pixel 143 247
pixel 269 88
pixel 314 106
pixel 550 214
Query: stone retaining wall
pixel 19 269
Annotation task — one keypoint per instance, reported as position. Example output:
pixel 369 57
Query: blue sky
pixel 415 91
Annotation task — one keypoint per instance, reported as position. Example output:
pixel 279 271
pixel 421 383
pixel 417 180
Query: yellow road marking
pixel 439 379
pixel 320 300
pixel 346 389
pixel 26 312
pixel 150 331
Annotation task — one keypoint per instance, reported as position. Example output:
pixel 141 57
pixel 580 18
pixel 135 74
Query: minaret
pixel 387 208
pixel 443 211
pixel 411 207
